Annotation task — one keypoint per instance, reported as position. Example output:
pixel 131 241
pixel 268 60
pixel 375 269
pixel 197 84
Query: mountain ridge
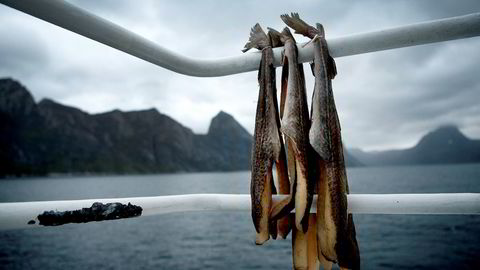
pixel 49 137
pixel 444 145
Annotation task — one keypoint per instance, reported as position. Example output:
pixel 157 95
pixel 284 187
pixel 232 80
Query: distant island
pixel 445 145
pixel 47 137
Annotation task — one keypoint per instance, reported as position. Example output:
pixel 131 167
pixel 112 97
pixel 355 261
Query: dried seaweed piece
pixel 97 212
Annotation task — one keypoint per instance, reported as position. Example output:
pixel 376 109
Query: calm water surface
pixel 226 240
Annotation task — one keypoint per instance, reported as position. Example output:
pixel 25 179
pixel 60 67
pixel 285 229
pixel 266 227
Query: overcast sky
pixel 385 99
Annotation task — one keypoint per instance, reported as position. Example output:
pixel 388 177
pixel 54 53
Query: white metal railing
pixel 82 22
pixel 70 17
pixel 16 215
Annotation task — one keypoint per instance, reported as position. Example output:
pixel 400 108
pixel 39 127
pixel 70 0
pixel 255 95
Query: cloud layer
pixel 385 99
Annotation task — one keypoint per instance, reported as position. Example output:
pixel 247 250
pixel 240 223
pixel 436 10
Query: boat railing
pixel 18 214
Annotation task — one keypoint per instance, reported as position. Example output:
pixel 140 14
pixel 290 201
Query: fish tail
pixel 299 25
pixel 258 39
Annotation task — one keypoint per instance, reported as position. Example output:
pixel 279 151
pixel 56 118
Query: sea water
pixel 225 240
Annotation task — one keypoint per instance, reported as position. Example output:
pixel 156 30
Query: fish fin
pixel 331 67
pixel 284 227
pixel 299 25
pixel 258 39
pixel 261 71
pixel 282 208
pixel 320 30
pixel 284 84
pixel 283 224
pixel 312 67
pixel 272 229
pixel 304 221
pixel 312 253
pixel 272 223
pixel 301 78
pixel 349 256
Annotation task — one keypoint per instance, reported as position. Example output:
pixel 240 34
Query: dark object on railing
pixel 97 212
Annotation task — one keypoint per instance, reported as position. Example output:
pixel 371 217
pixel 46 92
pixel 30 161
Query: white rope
pixel 82 22
pixel 17 215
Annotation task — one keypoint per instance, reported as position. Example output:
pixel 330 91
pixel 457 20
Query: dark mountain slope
pixel 445 145
pixel 49 137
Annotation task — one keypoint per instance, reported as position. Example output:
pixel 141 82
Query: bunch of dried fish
pixel 314 154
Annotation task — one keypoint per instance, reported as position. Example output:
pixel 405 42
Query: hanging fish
pixel 285 178
pixel 268 149
pixel 335 228
pixel 295 126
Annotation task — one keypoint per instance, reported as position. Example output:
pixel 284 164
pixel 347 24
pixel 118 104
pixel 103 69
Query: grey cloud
pixel 111 8
pixel 21 51
pixel 446 8
pixel 385 99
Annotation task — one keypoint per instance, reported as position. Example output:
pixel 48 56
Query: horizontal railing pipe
pixel 18 214
pixel 80 21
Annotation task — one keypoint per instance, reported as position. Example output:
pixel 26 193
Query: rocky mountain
pixel 351 160
pixel 48 137
pixel 445 145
